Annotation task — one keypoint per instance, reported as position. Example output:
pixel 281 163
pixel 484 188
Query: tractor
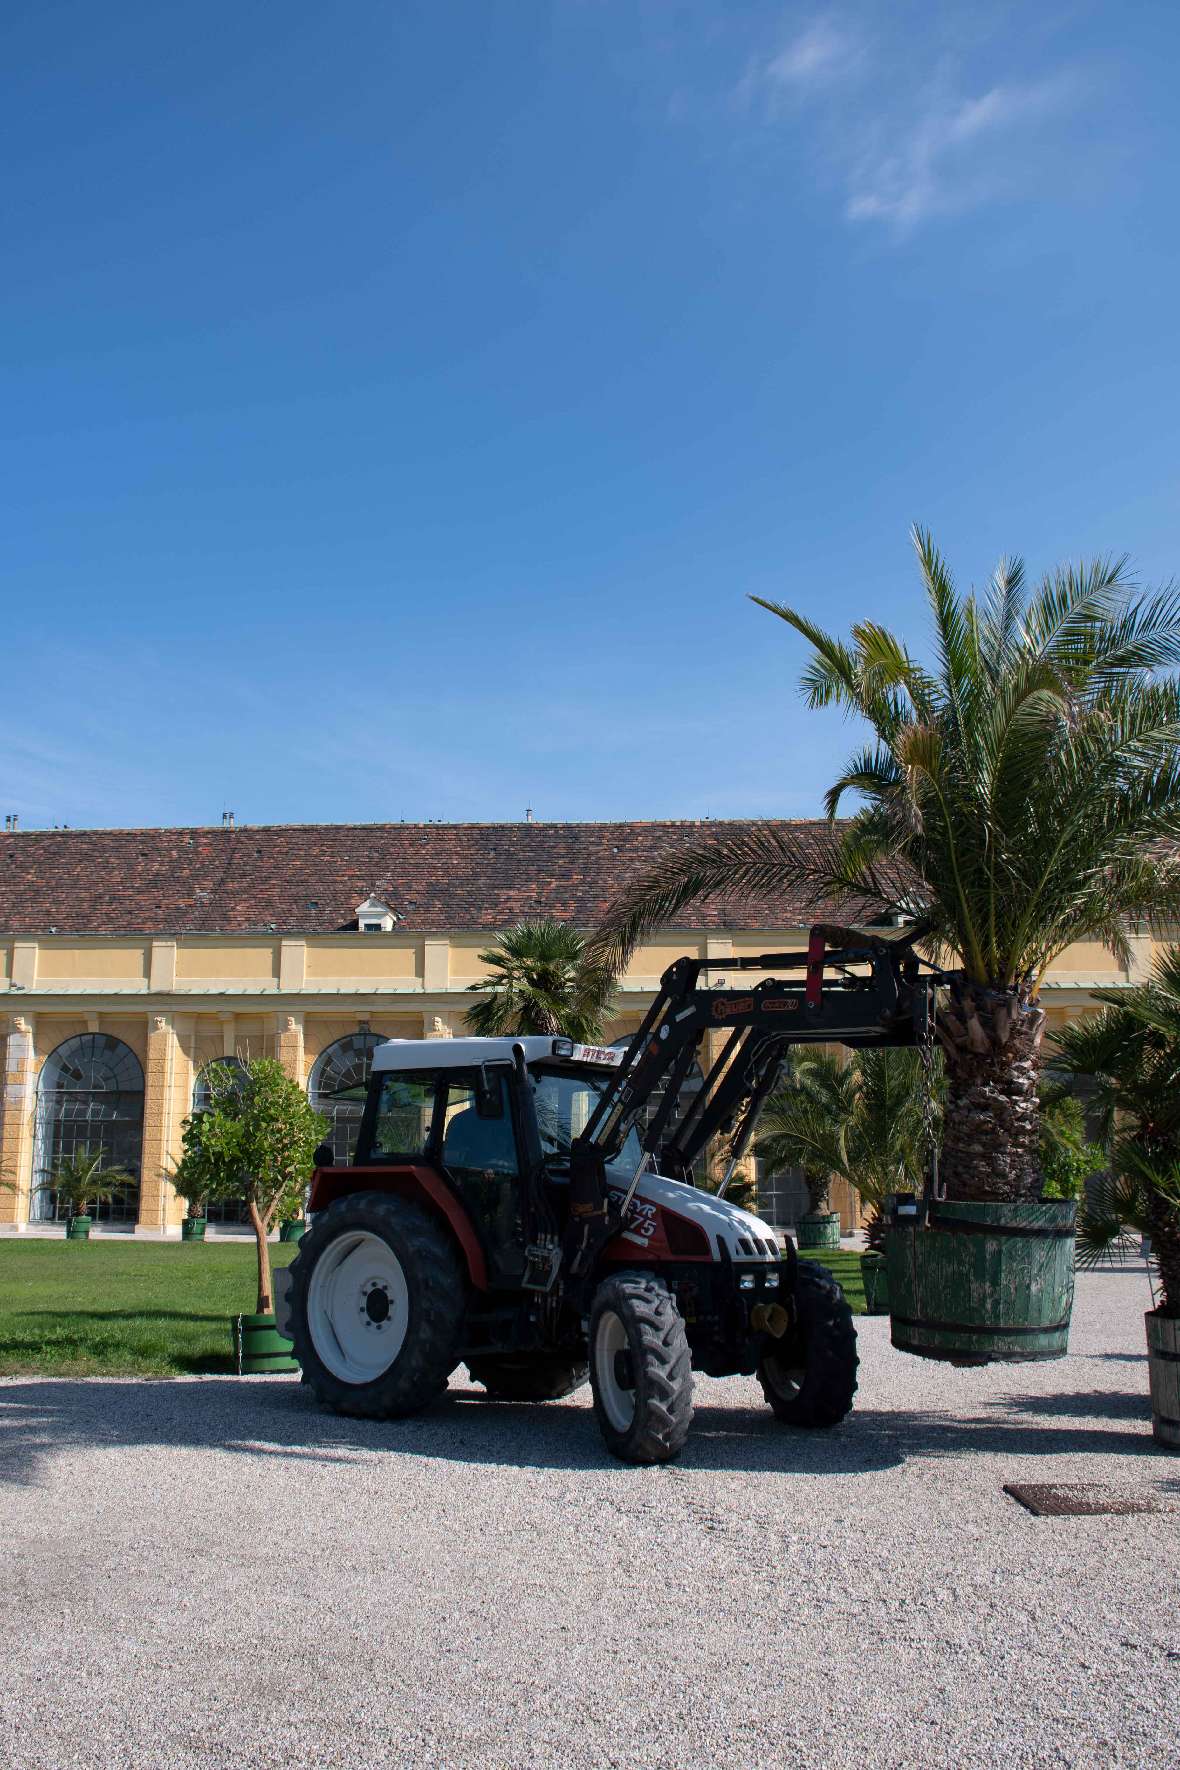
pixel 527 1207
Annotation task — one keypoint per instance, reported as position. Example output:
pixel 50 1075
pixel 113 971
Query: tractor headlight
pixel 771 1281
pixel 746 1282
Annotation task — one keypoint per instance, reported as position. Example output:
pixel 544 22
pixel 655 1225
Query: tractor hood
pixel 733 1233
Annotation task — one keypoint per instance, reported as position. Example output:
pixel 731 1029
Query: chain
pixel 929 1136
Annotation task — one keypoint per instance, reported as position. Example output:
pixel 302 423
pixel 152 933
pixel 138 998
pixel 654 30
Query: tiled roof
pixel 309 878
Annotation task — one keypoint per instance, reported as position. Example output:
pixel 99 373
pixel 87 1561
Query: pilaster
pixel 162 969
pixel 436 965
pixel 165 1105
pixel 292 964
pixel 289 1045
pixel 24 964
pixel 17 1107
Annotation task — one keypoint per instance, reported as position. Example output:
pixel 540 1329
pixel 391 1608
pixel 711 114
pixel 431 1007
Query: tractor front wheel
pixel 640 1369
pixel 377 1302
pixel 809 1376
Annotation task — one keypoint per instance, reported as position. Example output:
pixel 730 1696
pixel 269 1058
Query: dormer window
pixel 374 916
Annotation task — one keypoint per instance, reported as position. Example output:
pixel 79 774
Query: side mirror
pixel 489 1099
pixel 324 1157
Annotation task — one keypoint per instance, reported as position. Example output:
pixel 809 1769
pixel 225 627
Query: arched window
pixel 337 1085
pixel 202 1091
pixel 90 1096
pixel 222 1210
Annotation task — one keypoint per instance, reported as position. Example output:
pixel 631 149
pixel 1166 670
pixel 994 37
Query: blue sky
pixel 399 400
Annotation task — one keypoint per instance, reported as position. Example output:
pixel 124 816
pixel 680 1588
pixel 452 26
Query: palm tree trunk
pixel 991 1123
pixel 1164 1223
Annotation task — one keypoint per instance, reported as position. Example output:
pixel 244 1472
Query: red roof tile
pixel 309 878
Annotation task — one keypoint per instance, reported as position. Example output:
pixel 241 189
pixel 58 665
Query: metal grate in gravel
pixel 1081 1499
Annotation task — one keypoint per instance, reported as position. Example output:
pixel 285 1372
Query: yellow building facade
pixel 104 1034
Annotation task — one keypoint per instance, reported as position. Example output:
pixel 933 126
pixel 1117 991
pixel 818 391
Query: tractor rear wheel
pixel 377 1303
pixel 546 1376
pixel 809 1376
pixel 640 1369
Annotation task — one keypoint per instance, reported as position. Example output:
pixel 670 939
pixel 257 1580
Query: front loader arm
pixel 857 989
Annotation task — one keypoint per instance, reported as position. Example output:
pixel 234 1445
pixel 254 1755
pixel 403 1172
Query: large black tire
pixel 809 1378
pixel 640 1369
pixel 402 1255
pixel 540 1376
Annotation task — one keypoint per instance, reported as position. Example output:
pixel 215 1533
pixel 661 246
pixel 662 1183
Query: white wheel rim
pixel 358 1306
pixel 610 1340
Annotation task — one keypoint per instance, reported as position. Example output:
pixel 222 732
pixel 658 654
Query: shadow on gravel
pixel 278 1420
pixel 1108 1404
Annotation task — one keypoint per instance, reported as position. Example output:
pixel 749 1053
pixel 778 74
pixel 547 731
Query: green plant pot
pixel 259 1347
pixel 293 1229
pixel 78 1228
pixel 819 1230
pixel 975 1283
pixel 876 1282
pixel 1163 1365
pixel 193 1229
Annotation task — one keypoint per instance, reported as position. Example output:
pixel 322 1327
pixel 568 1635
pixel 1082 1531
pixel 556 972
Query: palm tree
pixel 83 1178
pixel 1131 1051
pixel 1018 794
pixel 863 1121
pixel 804 1123
pixel 541 982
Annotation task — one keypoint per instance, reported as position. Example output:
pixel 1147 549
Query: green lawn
pixel 844 1265
pixel 123 1308
pixel 160 1309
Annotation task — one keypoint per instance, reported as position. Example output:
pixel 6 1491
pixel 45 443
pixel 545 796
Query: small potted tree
pixel 804 1126
pixel 80 1181
pixel 255 1141
pixel 1131 1052
pixel 192 1190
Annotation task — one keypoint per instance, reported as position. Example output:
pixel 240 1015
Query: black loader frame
pixel 858 989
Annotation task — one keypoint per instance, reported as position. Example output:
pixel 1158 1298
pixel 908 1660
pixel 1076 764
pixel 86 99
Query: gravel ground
pixel 211 1572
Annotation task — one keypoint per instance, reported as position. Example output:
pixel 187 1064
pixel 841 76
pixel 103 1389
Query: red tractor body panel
pixel 413 1181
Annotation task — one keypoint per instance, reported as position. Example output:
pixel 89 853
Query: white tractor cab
pixel 526 1206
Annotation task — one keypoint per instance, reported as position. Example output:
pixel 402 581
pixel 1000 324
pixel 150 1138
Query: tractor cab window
pixel 480 1141
pixel 564 1103
pixel 405 1115
pixel 479 1157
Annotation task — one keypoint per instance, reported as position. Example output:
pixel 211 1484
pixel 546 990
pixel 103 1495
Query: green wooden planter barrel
pixel 821 1230
pixel 1163 1363
pixel 876 1282
pixel 78 1228
pixel 259 1347
pixel 192 1229
pixel 293 1230
pixel 973 1282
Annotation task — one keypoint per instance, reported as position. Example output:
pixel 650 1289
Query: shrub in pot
pixel 255 1140
pixel 190 1186
pixel 81 1181
pixel 1130 1051
pixel 803 1126
pixel 1010 800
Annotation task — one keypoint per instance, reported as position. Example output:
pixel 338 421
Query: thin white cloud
pixel 818 55
pixel 958 154
pixel 905 119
